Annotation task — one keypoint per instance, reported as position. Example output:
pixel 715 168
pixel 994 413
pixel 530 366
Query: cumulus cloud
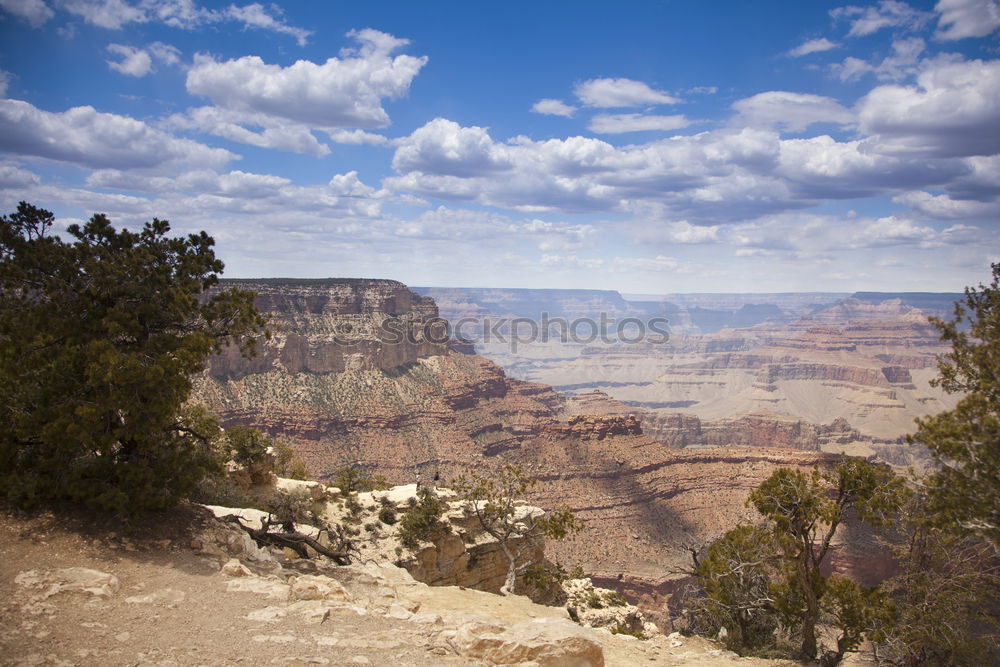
pixel 633 122
pixel 723 171
pixel 4 82
pixel 707 178
pixel 134 62
pixel 892 230
pixel 552 107
pixel 358 137
pixel 620 93
pixel 945 207
pixel 820 167
pixel 84 136
pixel 966 18
pixel 812 46
pixel 443 147
pixel 35 12
pixel 953 111
pixel 887 14
pixel 342 92
pixel 250 128
pixel 792 111
pixel 13 176
pixel 902 63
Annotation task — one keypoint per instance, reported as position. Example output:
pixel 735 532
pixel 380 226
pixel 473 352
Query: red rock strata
pixel 421 407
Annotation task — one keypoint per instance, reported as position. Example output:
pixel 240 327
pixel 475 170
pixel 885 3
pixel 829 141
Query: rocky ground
pixel 78 590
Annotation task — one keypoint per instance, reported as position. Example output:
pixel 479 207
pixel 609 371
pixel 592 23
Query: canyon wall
pixel 417 406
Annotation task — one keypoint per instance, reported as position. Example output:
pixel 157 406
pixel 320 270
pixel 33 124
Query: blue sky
pixel 649 147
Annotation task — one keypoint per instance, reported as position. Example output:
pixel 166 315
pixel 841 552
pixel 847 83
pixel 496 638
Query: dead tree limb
pixel 291 539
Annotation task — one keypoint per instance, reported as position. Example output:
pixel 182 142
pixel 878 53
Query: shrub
pixel 422 520
pixel 352 480
pixel 387 515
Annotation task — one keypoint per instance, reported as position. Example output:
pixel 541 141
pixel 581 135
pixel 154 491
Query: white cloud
pixel 633 122
pixel 13 176
pixel 342 92
pixel 571 262
pixel 724 171
pixel 682 231
pixel 238 184
pixel 822 168
pixel 891 230
pixel 4 82
pixel 620 93
pixel 792 111
pixel 953 111
pixel 443 147
pixel 111 14
pixel 35 12
pixel 967 18
pixel 236 126
pixel 184 14
pixel 944 207
pixel 357 137
pixel 706 178
pixel 255 16
pixel 84 136
pixel 813 46
pixel 134 62
pixel 902 63
pixel 553 108
pixel 888 14
pixel 165 53
pixel 825 238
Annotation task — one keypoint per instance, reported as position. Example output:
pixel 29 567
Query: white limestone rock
pixel 70 580
pixel 542 641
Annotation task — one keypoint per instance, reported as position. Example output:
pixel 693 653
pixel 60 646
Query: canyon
pixel 861 363
pixel 357 372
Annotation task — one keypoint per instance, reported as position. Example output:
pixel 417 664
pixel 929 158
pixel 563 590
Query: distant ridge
pixel 929 301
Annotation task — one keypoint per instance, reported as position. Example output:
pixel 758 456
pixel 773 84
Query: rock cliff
pixel 419 407
pixel 326 326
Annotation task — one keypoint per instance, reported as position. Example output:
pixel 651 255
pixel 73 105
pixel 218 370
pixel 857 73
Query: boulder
pixel 310 587
pixel 550 642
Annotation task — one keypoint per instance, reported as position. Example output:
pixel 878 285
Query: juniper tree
pixel 964 490
pixel 493 497
pixel 100 336
pixel 756 577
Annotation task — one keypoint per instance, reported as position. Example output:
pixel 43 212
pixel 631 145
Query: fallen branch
pixel 291 539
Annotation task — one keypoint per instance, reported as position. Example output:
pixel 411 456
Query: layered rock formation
pixel 872 372
pixel 326 326
pixel 419 407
